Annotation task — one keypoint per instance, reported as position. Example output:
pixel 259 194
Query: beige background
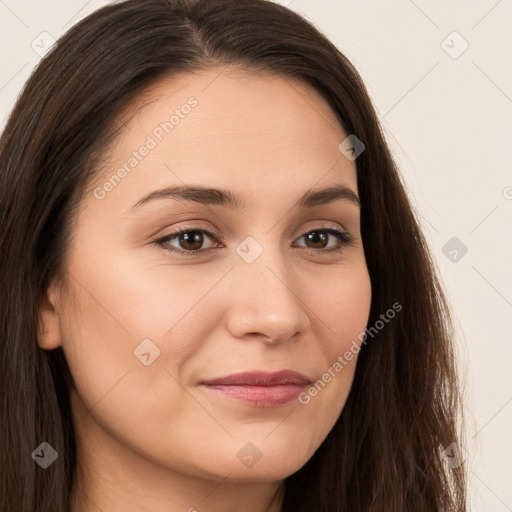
pixel 448 118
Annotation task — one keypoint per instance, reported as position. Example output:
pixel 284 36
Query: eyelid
pixel 328 225
pixel 194 227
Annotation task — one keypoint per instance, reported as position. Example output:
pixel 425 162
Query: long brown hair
pixel 385 453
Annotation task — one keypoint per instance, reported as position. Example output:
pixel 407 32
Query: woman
pixel 216 294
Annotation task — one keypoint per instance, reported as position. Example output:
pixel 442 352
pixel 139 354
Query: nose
pixel 266 302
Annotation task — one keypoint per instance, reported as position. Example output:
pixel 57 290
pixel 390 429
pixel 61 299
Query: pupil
pixel 190 238
pixel 315 236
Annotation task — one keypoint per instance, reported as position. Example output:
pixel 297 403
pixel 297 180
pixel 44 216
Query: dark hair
pixel 404 408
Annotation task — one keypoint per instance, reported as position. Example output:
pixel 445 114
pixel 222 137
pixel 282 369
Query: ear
pixel 49 334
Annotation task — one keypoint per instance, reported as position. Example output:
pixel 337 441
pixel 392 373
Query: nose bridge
pixel 264 300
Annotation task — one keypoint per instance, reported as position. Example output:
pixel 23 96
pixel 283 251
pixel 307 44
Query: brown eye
pixel 186 241
pixel 191 240
pixel 318 239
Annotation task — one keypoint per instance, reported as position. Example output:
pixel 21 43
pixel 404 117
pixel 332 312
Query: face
pixel 163 292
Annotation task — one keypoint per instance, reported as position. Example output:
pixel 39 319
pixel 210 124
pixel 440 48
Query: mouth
pixel 259 388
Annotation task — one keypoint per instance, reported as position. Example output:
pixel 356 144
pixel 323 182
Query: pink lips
pixel 260 388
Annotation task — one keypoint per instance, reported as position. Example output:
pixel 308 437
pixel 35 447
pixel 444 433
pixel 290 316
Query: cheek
pixel 120 313
pixel 112 315
pixel 124 301
pixel 119 304
pixel 340 304
pixel 340 308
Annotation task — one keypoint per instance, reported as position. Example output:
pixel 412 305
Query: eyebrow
pixel 228 199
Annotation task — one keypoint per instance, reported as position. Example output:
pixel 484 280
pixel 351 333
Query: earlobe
pixel 49 334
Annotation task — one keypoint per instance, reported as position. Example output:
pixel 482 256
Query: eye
pixel 319 237
pixel 190 241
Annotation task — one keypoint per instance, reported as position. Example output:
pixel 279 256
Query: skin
pixel 150 438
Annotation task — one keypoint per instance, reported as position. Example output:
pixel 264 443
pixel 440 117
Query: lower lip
pixel 264 396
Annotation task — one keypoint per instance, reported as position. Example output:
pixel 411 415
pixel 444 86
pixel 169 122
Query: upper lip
pixel 260 378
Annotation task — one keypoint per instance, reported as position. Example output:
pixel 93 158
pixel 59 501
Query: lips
pixel 260 378
pixel 259 388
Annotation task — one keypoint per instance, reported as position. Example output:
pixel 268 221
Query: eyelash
pixel 343 237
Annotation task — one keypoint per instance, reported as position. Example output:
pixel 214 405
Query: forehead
pixel 230 128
